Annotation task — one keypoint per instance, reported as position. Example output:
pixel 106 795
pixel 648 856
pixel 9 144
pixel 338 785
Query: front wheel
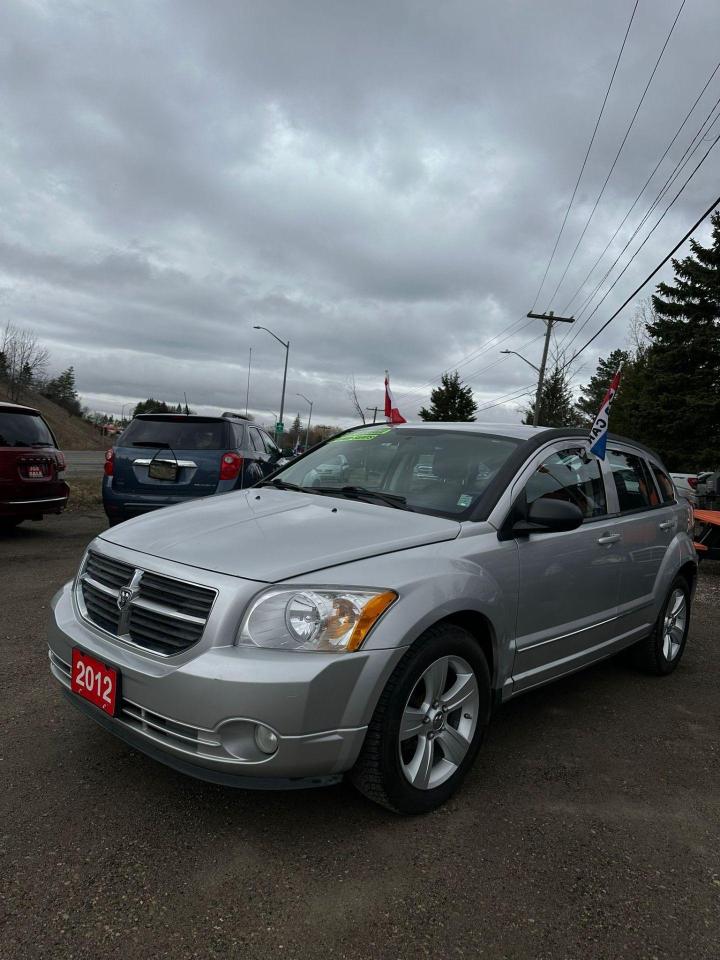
pixel 428 725
pixel 662 651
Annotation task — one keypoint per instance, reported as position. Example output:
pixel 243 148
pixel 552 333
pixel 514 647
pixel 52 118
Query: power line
pixel 516 327
pixel 617 155
pixel 654 228
pixel 672 177
pixel 508 398
pixel 642 189
pixel 585 159
pixel 649 277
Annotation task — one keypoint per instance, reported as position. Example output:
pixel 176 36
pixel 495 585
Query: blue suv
pixel 162 459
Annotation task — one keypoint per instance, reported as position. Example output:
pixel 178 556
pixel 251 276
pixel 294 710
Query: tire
pixel 418 773
pixel 661 652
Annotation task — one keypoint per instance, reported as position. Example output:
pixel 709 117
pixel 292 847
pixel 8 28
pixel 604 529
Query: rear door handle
pixel 609 538
pixel 667 525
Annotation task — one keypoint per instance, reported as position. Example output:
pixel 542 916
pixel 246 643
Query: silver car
pixel 303 629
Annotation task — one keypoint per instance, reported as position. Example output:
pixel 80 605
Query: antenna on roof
pixel 187 412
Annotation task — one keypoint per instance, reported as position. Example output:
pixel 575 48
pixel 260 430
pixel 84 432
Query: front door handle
pixel 609 538
pixel 667 525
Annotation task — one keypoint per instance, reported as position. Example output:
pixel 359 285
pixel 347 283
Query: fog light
pixel 266 740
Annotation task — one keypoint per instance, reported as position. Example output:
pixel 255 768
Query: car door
pixel 648 522
pixel 568 581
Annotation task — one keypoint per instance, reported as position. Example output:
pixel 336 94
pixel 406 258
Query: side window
pixel 665 484
pixel 270 446
pixel 239 435
pixel 570 475
pixel 634 487
pixel 256 440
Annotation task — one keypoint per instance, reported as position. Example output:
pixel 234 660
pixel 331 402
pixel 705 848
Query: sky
pixel 379 183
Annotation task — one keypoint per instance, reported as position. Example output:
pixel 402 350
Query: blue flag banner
pixel 599 429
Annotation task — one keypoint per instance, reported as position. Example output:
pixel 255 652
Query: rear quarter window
pixel 24 430
pixel 665 484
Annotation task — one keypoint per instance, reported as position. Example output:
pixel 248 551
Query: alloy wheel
pixel 674 624
pixel 439 722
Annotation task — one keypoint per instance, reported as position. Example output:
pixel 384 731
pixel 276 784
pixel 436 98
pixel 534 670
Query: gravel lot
pixel 590 827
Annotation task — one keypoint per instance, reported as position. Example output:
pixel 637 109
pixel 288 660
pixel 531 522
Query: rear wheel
pixel 662 651
pixel 428 725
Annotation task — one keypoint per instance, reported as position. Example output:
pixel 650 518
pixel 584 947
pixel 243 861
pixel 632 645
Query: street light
pixel 280 425
pixel 307 432
pixel 536 369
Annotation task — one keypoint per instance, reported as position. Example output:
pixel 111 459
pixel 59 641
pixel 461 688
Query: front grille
pixel 162 632
pixel 184 597
pixel 155 612
pixel 101 608
pixel 105 570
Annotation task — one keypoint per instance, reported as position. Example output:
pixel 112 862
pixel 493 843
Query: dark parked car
pixel 162 459
pixel 30 467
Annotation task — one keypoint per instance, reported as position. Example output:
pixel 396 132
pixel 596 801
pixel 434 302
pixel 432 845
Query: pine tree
pixel 679 410
pixel 557 408
pixel 451 401
pixel 61 390
pixel 593 394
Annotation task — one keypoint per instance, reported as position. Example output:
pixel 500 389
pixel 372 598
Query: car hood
pixel 270 535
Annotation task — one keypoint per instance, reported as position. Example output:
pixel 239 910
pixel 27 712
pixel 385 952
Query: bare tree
pixel 638 338
pixel 24 359
pixel 351 391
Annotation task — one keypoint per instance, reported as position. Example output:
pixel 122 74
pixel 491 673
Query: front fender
pixel 433 583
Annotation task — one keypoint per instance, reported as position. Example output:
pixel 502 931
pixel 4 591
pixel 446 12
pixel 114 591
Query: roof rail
pixel 238 416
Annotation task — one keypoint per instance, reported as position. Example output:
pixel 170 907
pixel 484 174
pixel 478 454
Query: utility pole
pixel 374 412
pixel 247 394
pixel 549 319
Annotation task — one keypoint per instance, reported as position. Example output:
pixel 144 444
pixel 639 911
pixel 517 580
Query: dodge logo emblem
pixel 124 597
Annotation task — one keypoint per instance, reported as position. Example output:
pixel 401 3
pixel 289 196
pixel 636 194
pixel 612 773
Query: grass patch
pixel 85 494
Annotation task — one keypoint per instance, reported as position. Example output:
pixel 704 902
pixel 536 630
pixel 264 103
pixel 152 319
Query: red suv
pixel 30 467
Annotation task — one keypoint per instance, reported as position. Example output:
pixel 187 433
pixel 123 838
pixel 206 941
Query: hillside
pixel 72 433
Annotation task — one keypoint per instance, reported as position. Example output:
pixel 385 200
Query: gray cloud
pixel 380 183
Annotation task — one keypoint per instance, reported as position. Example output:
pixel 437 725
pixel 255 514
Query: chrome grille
pixel 151 611
pixel 110 572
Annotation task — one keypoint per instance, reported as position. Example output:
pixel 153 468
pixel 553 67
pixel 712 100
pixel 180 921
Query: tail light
pixel 230 466
pixel 693 481
pixel 109 462
pixel 60 464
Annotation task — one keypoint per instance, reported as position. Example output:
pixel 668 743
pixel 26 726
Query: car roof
pixel 7 407
pixel 204 417
pixel 536 436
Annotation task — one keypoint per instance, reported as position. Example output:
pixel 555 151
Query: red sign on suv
pixel 30 467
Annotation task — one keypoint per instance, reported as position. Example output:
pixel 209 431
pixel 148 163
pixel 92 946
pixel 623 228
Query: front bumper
pixel 199 716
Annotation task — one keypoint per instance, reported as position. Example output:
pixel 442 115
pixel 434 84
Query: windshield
pixel 24 430
pixel 178 434
pixel 441 472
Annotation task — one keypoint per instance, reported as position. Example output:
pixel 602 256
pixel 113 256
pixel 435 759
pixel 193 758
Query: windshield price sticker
pixel 362 435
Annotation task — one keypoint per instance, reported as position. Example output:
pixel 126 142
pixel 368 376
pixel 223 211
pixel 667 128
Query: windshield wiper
pixel 280 485
pixel 150 443
pixel 363 493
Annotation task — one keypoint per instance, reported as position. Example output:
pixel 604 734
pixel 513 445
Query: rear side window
pixel 24 430
pixel 634 486
pixel 194 434
pixel 571 475
pixel 665 484
pixel 256 439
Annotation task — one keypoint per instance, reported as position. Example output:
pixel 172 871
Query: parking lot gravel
pixel 589 827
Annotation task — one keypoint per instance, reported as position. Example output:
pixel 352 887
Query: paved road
pixel 84 462
pixel 590 827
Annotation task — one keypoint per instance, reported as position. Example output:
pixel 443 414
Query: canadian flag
pixel 392 414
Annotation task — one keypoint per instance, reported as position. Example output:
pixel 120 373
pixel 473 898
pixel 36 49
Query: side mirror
pixel 549 516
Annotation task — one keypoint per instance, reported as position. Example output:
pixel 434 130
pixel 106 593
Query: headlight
pixel 328 620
